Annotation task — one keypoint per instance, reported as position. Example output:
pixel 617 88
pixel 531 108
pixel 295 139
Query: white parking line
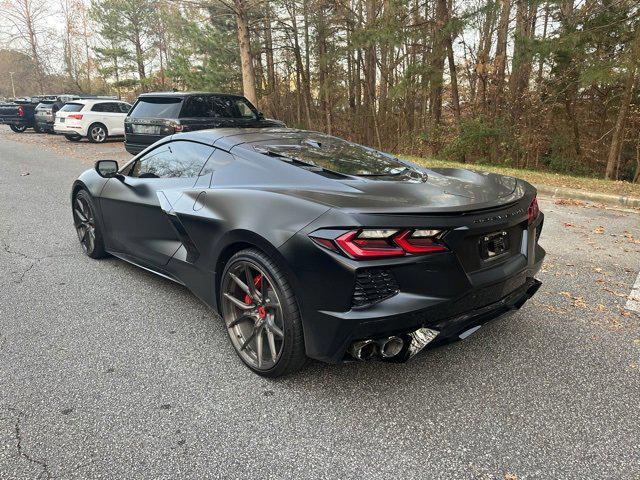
pixel 634 297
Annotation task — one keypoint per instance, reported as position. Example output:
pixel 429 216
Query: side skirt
pixel 136 262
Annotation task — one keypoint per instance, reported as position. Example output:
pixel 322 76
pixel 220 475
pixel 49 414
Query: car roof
pixel 227 138
pixel 187 94
pixel 93 101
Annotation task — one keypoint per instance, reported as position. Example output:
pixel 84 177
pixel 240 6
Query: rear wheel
pixel 37 129
pixel 97 133
pixel 87 226
pixel 73 138
pixel 261 315
pixel 18 128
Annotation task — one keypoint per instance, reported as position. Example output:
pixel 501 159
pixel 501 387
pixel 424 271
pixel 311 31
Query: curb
pixel 560 192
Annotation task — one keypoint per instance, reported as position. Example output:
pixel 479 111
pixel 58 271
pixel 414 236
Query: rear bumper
pixel 16 121
pixel 449 318
pixel 65 129
pixel 45 126
pixel 134 148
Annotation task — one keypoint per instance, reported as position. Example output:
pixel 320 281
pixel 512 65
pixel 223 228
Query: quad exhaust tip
pixel 390 347
pixel 363 349
pixel 367 349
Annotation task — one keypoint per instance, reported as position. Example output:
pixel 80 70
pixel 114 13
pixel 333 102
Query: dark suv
pixel 156 115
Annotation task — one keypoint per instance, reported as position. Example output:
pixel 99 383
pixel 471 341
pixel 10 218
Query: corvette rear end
pixel 385 285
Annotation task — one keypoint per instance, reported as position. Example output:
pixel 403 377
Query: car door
pixel 135 223
pixel 112 116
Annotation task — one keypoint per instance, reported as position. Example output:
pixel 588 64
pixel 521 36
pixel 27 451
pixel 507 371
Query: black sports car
pixel 311 246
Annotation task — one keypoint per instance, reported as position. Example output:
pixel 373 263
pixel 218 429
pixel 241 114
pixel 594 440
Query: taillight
pixel 383 243
pixel 76 116
pixel 20 111
pixel 369 244
pixel 420 241
pixel 533 210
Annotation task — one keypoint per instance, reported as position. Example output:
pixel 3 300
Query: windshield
pixel 339 156
pixel 72 107
pixel 157 107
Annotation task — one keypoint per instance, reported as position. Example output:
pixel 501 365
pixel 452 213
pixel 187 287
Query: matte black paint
pixel 185 228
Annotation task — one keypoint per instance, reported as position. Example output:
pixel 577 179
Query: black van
pixel 156 115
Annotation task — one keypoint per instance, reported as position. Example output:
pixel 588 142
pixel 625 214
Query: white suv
pixel 94 119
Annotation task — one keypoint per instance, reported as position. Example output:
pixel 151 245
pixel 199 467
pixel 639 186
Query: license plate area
pixel 494 245
pixel 146 129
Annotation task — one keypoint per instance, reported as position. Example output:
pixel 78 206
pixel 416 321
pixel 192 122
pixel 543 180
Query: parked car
pixel 156 115
pixel 20 114
pixel 96 119
pixel 312 246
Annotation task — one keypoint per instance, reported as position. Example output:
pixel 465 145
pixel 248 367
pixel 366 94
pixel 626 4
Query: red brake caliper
pixel 257 280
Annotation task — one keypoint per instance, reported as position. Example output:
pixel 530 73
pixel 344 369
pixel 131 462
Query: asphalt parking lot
pixel 107 371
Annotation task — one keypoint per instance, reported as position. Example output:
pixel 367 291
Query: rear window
pixel 217 106
pixel 44 105
pixel 72 107
pixel 157 107
pixel 339 156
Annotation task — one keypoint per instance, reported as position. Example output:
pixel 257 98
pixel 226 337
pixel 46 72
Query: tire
pixel 87 225
pixel 37 129
pixel 97 133
pixel 73 138
pixel 18 128
pixel 271 325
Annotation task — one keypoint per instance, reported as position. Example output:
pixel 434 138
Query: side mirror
pixel 107 168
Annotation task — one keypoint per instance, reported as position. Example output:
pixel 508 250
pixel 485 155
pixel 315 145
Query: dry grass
pixel 543 178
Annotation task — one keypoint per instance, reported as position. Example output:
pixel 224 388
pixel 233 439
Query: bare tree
pixel 28 21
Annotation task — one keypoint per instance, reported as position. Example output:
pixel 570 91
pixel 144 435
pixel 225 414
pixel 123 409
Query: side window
pixel 124 107
pixel 178 159
pixel 196 107
pixel 98 107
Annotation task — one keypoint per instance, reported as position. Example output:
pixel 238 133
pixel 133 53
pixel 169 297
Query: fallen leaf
pixel 599 230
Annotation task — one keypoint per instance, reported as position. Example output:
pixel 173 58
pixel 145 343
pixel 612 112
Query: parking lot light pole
pixel 13 87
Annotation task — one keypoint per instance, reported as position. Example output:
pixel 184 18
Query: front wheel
pixel 97 133
pixel 18 128
pixel 261 315
pixel 87 226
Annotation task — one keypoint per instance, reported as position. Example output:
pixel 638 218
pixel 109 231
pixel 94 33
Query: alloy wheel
pixel 98 134
pixel 253 314
pixel 85 224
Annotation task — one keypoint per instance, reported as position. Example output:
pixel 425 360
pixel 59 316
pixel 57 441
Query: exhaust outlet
pixel 390 347
pixel 363 349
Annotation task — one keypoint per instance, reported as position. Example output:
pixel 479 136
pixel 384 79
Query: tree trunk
pixel 246 60
pixel 325 98
pixel 613 160
pixel 274 94
pixel 370 78
pixel 481 71
pixel 500 61
pixel 437 62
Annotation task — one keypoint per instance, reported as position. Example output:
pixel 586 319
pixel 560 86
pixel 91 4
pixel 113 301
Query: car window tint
pixel 98 107
pixel 124 107
pixel 216 106
pixel 337 155
pixel 177 159
pixel 72 107
pixel 157 107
